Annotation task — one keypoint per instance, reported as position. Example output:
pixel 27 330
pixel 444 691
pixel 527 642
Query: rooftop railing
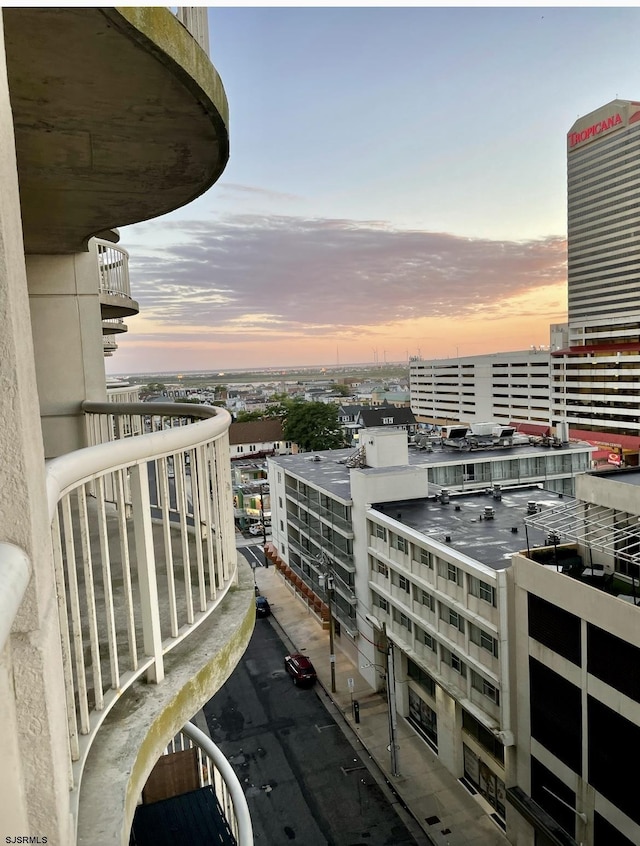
pixel 144 549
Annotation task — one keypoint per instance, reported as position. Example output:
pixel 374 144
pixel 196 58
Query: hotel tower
pixel 594 379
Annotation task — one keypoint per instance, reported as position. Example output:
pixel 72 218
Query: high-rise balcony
pixel 153 609
pixel 119 116
pixel 115 288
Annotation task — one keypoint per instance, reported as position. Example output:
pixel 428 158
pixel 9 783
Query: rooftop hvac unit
pixel 489 513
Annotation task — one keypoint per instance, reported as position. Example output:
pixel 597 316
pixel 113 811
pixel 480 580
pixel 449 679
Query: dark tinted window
pixel 554 627
pixel 550 793
pixel 614 661
pixel 556 720
pixel 613 757
pixel 604 834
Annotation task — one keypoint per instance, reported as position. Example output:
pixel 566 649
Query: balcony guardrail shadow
pixel 144 550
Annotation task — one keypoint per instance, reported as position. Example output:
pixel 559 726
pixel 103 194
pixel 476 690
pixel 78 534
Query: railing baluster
pixel 168 549
pixel 107 584
pixel 125 561
pixel 76 618
pixel 152 639
pixel 181 498
pixel 90 596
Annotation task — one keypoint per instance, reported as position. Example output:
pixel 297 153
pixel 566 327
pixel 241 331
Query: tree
pixel 343 390
pixel 313 426
pixel 248 416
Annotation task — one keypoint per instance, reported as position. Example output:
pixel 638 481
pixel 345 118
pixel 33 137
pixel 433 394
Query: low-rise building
pixel 418 574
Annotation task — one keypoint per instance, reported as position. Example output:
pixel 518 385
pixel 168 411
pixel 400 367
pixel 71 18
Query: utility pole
pixel 264 528
pixel 391 703
pixel 332 654
pixel 330 587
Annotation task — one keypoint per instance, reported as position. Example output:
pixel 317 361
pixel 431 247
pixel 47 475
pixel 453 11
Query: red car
pixel 300 668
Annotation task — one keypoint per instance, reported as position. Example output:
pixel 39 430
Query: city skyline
pixel 406 197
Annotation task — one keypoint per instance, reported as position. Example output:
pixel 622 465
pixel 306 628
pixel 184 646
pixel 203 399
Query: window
pixel 404 583
pixel 380 602
pixel 483 639
pixel 483 590
pixel 401 618
pixel 429 641
pixel 485 687
pixel 452 617
pixel 421 677
pixel 426 558
pixel 450 571
pixel 280 501
pixel 281 526
pixel 425 599
pixel 381 532
pixel 402 545
pixel 383 569
pixel 454 662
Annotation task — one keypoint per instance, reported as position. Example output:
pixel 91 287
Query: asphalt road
pixel 303 780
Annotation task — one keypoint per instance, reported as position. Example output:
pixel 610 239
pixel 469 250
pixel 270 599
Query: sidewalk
pixel 442 807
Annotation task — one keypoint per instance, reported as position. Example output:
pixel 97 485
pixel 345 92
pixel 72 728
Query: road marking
pixel 347 770
pixel 322 728
pixel 252 553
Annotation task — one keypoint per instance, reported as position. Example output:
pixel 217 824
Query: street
pixel 303 780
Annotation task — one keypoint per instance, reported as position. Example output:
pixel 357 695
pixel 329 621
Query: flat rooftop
pixel 462 520
pixel 331 473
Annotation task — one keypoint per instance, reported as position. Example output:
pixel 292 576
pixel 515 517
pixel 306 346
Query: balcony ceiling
pixel 119 117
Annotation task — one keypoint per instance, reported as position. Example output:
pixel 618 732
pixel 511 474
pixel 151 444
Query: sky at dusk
pixel 396 187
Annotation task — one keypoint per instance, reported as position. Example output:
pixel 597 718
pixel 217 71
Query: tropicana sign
pixel 595 129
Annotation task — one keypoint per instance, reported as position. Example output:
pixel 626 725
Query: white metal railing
pixel 144 549
pixel 113 266
pixel 214 770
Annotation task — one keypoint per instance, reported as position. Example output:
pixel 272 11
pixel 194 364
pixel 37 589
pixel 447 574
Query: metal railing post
pixel 147 580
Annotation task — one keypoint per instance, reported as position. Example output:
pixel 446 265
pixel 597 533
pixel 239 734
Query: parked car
pixel 263 609
pixel 256 529
pixel 300 669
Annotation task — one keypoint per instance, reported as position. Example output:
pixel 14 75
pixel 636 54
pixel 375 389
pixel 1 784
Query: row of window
pixel 478 682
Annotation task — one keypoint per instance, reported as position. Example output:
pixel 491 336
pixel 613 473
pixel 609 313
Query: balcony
pixel 154 612
pixel 115 289
pixel 119 117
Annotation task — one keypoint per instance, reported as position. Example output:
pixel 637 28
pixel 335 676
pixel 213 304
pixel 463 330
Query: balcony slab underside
pixel 119 117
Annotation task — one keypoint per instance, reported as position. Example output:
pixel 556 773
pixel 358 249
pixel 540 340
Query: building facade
pixel 503 387
pixel 575 645
pixel 418 573
pixel 594 379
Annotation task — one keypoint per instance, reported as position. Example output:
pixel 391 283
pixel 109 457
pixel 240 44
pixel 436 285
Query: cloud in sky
pixel 292 289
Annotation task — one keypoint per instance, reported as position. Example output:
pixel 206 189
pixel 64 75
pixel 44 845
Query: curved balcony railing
pixel 144 549
pixel 113 265
pixel 214 771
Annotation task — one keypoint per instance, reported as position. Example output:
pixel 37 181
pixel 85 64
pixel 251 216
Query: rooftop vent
pixel 497 493
pixel 444 497
pixel 447 538
pixel 457 508
pixel 532 508
pixel 514 530
pixel 489 513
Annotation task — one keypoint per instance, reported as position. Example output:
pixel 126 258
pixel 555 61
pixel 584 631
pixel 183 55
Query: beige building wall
pixel 67 337
pixel 34 788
